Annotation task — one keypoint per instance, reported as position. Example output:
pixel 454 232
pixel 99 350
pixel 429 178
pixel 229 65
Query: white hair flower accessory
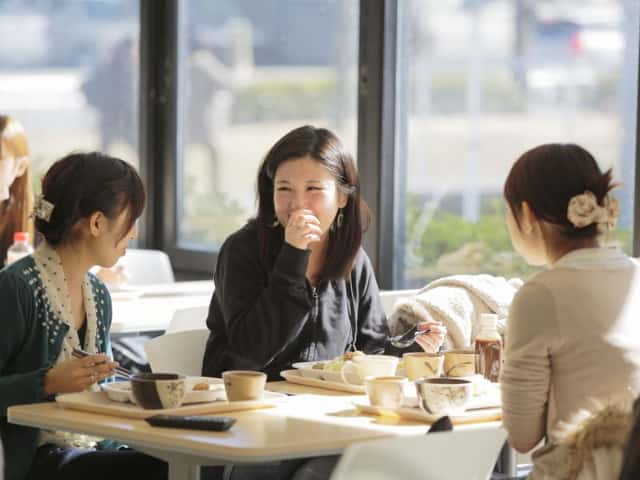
pixel 584 210
pixel 42 208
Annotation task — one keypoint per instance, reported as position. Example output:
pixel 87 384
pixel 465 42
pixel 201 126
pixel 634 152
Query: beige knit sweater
pixel 573 335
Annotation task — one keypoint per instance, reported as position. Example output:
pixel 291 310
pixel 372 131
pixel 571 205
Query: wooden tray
pixel 418 415
pixel 98 402
pixel 294 376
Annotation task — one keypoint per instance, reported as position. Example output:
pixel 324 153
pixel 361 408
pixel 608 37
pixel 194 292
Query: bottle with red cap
pixel 19 248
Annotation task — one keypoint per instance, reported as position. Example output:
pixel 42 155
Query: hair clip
pixel 584 210
pixel 43 209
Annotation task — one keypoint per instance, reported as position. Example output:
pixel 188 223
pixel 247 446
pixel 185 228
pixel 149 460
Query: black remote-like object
pixel 218 424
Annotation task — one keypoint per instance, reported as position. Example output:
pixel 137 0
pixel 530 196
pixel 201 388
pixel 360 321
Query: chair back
pixel 191 318
pixel 455 455
pixel 144 266
pixel 179 352
pixel 390 297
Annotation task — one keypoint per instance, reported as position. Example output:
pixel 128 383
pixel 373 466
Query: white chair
pixel 180 352
pixel 455 455
pixel 191 318
pixel 144 266
pixel 390 297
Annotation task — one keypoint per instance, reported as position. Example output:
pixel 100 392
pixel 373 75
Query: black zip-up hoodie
pixel 264 315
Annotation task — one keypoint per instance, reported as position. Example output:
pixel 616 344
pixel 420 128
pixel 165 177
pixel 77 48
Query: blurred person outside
pixel 112 89
pixel 210 94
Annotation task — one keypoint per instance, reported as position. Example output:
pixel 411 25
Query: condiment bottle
pixel 19 248
pixel 488 348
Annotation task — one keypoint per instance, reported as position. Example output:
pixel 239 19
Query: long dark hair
pixel 324 147
pixel 548 176
pixel 16 210
pixel 81 184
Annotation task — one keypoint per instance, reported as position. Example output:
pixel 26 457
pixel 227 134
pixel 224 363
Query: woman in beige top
pixel 572 330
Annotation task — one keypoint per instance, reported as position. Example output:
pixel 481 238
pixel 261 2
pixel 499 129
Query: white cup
pixel 386 392
pixel 363 366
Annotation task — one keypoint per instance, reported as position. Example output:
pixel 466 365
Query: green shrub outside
pixel 449 245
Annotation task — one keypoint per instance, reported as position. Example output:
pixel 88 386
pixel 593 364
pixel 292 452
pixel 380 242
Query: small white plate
pixel 306 370
pixel 216 385
pixel 296 376
pixel 118 391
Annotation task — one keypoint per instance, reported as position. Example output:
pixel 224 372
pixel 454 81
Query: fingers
pixel 94 368
pixel 433 338
pixel 302 228
pixel 95 376
pixel 428 343
pixel 91 360
pixel 312 233
pixel 301 220
pixel 434 327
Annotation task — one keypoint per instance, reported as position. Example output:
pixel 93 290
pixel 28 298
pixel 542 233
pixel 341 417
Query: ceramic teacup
pixel 158 390
pixel 423 364
pixel 363 366
pixel 244 384
pixel 459 363
pixel 447 396
pixel 386 391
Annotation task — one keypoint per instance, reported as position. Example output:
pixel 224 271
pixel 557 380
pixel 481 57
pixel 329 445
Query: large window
pixel 253 71
pixel 488 80
pixel 68 73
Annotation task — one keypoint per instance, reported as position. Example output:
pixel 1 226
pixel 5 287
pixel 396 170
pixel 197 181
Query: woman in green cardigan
pixel 51 304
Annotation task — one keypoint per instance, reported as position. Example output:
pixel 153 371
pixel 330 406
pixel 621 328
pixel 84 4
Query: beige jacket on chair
pixel 590 448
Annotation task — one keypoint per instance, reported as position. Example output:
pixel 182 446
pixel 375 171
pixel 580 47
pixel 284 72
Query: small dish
pixel 118 391
pixel 196 393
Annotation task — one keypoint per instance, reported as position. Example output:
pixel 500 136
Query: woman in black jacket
pixel 294 283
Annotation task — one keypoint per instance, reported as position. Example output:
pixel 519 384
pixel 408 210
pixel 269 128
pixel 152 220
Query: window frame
pixel 382 137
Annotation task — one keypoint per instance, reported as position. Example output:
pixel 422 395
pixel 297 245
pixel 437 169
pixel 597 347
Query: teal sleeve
pixel 17 321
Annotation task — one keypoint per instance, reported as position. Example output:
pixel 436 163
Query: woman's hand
pixel 76 374
pixel 431 341
pixel 302 228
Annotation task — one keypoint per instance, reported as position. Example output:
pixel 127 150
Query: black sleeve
pixel 263 312
pixel 373 334
pixel 373 330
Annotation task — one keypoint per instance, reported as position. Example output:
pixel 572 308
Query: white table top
pixel 144 308
pixel 304 425
pixel 300 426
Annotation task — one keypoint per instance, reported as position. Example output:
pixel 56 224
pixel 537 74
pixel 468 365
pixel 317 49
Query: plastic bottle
pixel 19 248
pixel 488 347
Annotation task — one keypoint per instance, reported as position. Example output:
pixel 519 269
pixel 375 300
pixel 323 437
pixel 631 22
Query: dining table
pixel 304 422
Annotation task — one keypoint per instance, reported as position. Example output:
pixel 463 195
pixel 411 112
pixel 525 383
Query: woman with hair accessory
pixel 571 342
pixel 52 305
pixel 16 198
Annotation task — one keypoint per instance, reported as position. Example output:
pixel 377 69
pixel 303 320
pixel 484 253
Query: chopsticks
pixel 120 371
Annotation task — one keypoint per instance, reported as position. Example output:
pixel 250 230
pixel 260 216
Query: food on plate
pixel 337 363
pixel 349 355
pixel 201 386
pixel 318 366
